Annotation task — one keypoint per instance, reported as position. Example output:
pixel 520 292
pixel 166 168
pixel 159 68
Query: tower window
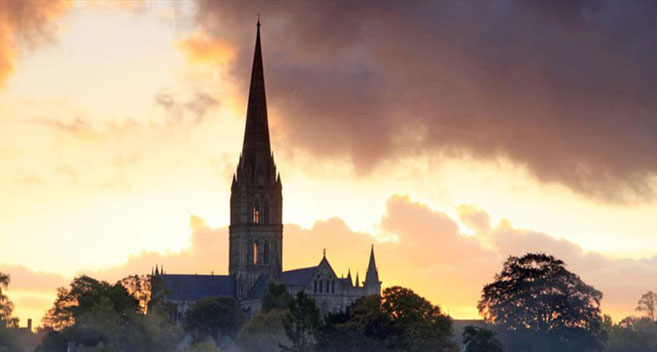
pixel 315 284
pixel 265 254
pixel 332 286
pixel 255 252
pixel 256 215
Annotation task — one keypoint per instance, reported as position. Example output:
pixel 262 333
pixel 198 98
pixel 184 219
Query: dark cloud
pixel 566 89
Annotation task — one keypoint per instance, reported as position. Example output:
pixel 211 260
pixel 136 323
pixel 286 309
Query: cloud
pixel 430 254
pixel 566 90
pixel 24 279
pixel 198 105
pixel 25 25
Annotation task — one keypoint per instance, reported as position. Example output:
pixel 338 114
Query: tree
pixel 84 295
pixel 265 332
pixel 138 287
pixel 276 297
pixel 91 311
pixel 397 320
pixel 301 324
pixel 480 340
pixel 541 306
pixel 6 305
pixel 214 316
pixel 633 334
pixel 648 304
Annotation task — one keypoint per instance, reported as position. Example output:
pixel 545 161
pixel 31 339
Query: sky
pixel 448 135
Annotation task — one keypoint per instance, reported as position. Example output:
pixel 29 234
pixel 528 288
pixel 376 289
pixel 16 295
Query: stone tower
pixel 256 200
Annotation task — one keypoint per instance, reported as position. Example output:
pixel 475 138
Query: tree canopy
pixel 648 305
pixel 397 320
pixel 538 303
pixel 480 340
pixel 91 311
pixel 215 316
pixel 301 324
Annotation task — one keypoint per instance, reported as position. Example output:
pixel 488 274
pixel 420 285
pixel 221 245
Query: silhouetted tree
pixel 53 341
pixel 397 320
pixel 265 332
pixel 214 317
pixel 301 324
pixel 84 295
pixel 276 297
pixel 648 304
pixel 139 287
pixel 6 305
pixel 633 334
pixel 480 340
pixel 91 311
pixel 541 306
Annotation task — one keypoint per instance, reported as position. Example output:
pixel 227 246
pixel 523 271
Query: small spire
pixel 372 274
pixel 349 277
pixel 357 282
pixel 324 250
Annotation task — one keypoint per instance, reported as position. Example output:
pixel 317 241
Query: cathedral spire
pixel 372 275
pixel 256 133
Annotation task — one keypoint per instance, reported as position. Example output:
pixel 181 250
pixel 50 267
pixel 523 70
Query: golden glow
pixel 96 173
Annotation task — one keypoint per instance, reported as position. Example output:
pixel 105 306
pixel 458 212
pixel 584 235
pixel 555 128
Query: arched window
pixel 256 215
pixel 265 254
pixel 265 213
pixel 320 286
pixel 255 252
pixel 332 286
pixel 315 286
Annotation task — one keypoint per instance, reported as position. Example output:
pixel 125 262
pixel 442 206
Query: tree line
pixel 534 304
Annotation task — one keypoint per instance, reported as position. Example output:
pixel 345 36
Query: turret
pixel 372 283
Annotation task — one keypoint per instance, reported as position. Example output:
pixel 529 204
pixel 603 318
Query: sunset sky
pixel 449 135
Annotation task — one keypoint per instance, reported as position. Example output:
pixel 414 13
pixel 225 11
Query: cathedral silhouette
pixel 256 232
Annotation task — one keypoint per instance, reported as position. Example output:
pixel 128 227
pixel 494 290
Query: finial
pixel 258 24
pixel 324 250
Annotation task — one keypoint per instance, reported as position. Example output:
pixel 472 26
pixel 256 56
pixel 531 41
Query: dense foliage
pixel 8 323
pixel 301 324
pixel 540 306
pixel 480 340
pixel 215 317
pixel 89 312
pixel 397 320
pixel 266 331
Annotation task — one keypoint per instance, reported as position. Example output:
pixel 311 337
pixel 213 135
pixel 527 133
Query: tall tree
pixel 541 306
pixel 214 317
pixel 265 332
pixel 397 320
pixel 83 295
pixel 301 324
pixel 480 340
pixel 648 304
pixel 6 305
pixel 633 334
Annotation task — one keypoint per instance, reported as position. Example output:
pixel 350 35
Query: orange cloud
pixel 25 22
pixel 430 255
pixel 201 49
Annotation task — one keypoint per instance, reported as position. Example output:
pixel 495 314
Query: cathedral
pixel 255 255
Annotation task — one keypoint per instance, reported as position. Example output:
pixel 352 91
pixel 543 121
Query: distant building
pixel 256 231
